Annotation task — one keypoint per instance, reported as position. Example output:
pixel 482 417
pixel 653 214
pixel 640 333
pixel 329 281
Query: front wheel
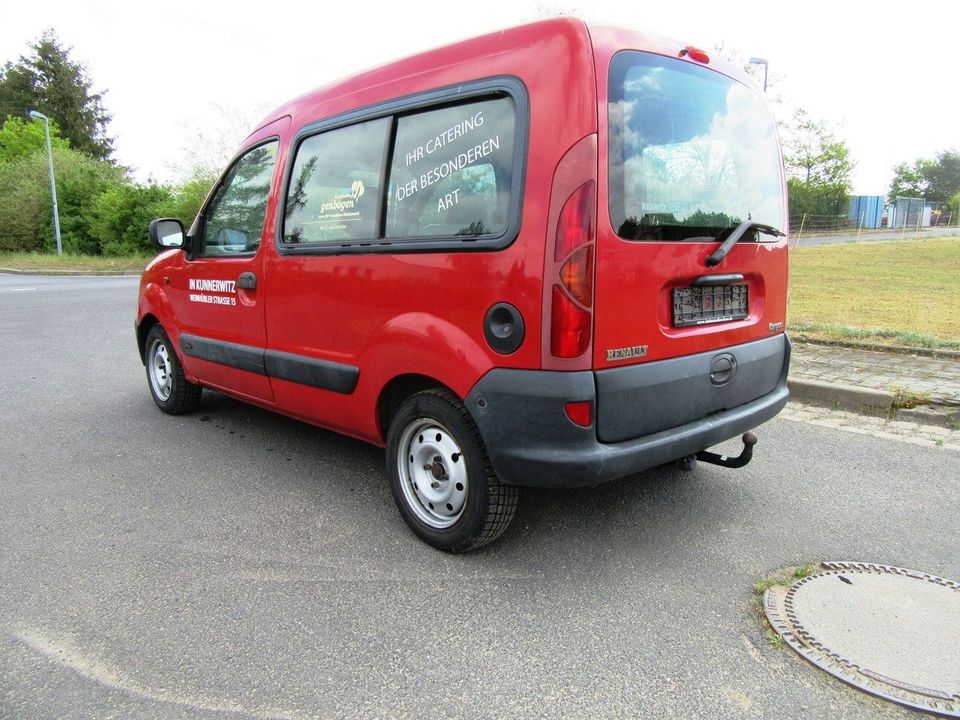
pixel 171 390
pixel 441 478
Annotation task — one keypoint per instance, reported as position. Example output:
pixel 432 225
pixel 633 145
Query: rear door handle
pixel 708 280
pixel 247 281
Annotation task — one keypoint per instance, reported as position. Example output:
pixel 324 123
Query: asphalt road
pixel 235 564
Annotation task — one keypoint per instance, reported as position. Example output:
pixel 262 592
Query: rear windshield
pixel 692 152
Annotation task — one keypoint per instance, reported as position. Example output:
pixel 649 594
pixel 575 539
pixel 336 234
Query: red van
pixel 545 257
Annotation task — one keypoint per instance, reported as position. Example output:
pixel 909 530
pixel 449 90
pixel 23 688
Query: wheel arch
pixel 143 329
pixel 153 309
pixel 399 389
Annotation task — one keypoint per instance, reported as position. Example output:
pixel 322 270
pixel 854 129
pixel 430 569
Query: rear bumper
pixel 530 440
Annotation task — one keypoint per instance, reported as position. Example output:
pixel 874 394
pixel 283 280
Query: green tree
pixel 943 176
pixel 936 180
pixel 818 167
pixel 813 154
pixel 49 81
pixel 908 181
pixel 23 137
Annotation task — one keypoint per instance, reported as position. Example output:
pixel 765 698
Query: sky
pixel 185 80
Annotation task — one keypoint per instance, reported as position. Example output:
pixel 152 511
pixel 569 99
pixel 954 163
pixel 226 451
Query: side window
pixel 334 188
pixel 452 171
pixel 234 218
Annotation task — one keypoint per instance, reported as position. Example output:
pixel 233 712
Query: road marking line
pixel 62 652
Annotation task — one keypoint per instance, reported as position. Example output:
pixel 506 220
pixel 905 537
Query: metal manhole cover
pixel 890 631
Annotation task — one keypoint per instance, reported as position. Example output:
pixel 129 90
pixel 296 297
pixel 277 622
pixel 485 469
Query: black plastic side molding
pixel 242 357
pixel 323 374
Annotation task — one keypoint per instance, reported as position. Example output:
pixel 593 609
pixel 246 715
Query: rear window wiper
pixel 742 229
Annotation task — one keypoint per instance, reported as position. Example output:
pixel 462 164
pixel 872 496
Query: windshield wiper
pixel 742 229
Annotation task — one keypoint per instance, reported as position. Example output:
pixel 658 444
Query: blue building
pixel 870 207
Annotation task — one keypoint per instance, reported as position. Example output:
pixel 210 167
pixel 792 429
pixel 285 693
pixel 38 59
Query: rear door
pixel 691 154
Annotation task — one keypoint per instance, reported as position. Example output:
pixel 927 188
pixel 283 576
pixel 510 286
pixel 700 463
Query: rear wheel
pixel 441 478
pixel 171 390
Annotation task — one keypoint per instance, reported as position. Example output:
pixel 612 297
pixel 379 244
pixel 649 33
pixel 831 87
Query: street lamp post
pixel 53 184
pixel 761 61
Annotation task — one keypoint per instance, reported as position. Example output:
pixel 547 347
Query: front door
pixel 217 291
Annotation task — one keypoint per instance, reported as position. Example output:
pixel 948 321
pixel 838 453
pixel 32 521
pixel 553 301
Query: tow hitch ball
pixel 749 440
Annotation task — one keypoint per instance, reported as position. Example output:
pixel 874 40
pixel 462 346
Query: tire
pixel 171 390
pixel 441 478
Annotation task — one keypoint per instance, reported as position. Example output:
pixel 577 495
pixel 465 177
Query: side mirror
pixel 166 233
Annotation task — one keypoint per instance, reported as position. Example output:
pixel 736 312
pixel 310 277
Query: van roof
pixel 379 83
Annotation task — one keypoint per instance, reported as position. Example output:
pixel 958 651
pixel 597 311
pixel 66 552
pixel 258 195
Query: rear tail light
pixel 571 319
pixel 575 226
pixel 577 275
pixel 569 327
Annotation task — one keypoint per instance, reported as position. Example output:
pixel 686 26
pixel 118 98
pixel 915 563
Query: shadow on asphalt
pixel 662 504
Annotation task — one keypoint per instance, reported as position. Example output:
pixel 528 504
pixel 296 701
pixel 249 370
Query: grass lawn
pixel 72 263
pixel 901 292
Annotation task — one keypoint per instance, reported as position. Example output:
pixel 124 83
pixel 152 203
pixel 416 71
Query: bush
pixel 187 198
pixel 121 217
pixel 820 199
pixel 24 199
pixel 122 214
pixel 26 219
pixel 80 182
pixel 102 212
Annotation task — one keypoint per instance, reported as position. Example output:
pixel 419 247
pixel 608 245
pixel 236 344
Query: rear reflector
pixel 569 327
pixel 579 413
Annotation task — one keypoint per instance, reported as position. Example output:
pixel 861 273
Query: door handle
pixel 247 281
pixel 709 280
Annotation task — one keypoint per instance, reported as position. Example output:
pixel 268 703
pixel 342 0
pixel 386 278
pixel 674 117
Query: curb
pixel 942 415
pixel 73 273
pixel 849 396
pixel 900 349
pixel 870 401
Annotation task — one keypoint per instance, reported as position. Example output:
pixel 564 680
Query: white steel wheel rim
pixel 433 473
pixel 161 370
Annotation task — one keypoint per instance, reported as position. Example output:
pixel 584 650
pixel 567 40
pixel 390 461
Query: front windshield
pixel 692 152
